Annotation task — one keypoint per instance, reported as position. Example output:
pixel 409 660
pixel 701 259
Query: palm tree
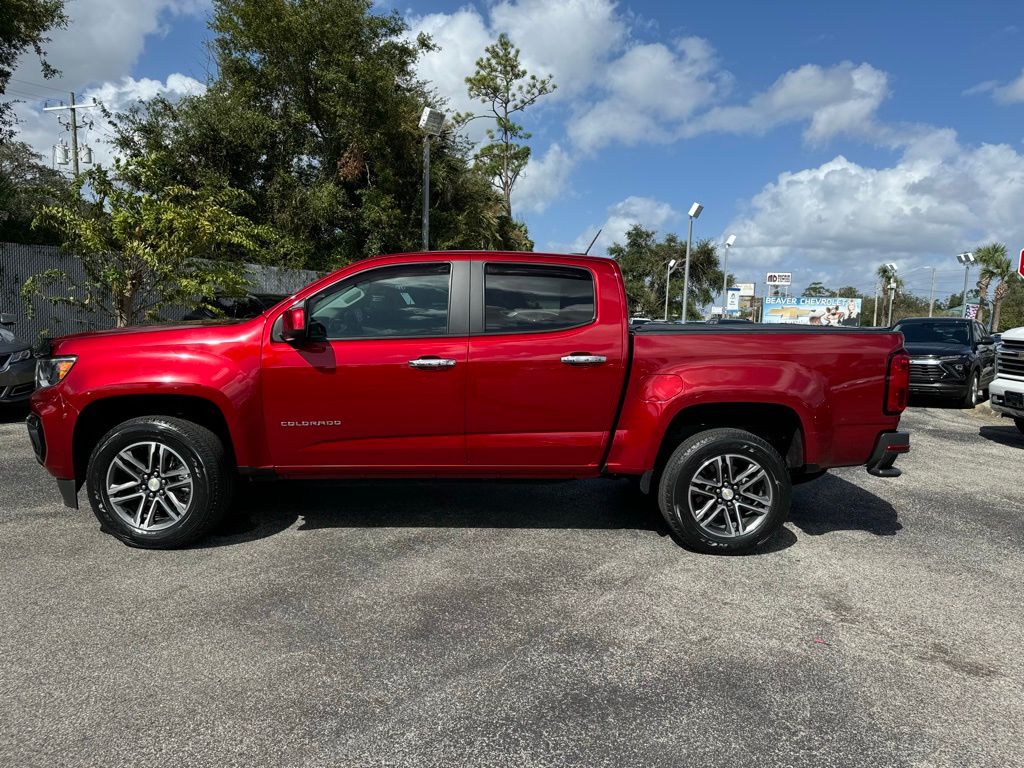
pixel 888 277
pixel 995 266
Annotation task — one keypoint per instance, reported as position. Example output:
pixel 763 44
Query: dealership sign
pixel 746 289
pixel 779 278
pixel 812 310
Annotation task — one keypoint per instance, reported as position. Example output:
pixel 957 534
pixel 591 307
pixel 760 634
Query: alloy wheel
pixel 149 486
pixel 730 495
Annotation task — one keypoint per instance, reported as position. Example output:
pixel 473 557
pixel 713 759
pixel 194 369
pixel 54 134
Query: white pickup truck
pixel 1007 390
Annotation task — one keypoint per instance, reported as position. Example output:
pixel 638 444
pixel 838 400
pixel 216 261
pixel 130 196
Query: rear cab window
pixel 525 298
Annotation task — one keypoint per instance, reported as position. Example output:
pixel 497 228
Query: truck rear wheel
pixel 159 482
pixel 724 491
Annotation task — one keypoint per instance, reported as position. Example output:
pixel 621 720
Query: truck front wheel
pixel 724 491
pixel 159 482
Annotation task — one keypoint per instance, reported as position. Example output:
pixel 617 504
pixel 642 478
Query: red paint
pixel 507 407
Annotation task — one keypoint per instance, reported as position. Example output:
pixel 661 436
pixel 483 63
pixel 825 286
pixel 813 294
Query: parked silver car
pixel 17 366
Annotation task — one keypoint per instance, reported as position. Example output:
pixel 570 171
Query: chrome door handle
pixel 581 358
pixel 431 362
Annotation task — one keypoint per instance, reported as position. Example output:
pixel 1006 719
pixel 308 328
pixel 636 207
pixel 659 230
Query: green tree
pixel 506 88
pixel 142 251
pixel 995 267
pixel 26 185
pixel 23 25
pixel 313 113
pixel 889 280
pixel 644 260
pixel 819 290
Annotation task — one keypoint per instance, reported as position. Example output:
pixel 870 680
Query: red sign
pixel 1020 264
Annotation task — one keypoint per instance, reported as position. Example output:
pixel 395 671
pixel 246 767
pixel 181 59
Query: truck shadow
pixel 11 413
pixel 262 510
pixel 265 509
pixel 1003 435
pixel 831 504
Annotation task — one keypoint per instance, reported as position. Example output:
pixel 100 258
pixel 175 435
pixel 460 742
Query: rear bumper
pixel 889 446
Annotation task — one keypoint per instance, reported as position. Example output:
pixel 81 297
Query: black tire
pixel 973 396
pixel 685 462
pixel 1020 425
pixel 201 451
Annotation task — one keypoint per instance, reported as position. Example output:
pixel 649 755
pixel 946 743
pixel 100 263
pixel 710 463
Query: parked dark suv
pixel 17 366
pixel 949 357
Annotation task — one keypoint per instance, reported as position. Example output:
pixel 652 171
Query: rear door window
pixel 524 298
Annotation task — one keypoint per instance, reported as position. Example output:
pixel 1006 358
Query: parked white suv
pixel 1007 389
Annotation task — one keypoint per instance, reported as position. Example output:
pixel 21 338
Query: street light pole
pixel 668 282
pixel 931 300
pixel 426 192
pixel 431 122
pixel 892 298
pixel 966 258
pixel 695 210
pixel 725 271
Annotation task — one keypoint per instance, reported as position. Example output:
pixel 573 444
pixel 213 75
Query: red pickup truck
pixel 469 364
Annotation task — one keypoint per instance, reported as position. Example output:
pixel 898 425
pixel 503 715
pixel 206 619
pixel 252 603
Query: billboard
pixel 746 289
pixel 779 278
pixel 811 310
pixel 732 301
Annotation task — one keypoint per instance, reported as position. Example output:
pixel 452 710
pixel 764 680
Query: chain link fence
pixel 19 262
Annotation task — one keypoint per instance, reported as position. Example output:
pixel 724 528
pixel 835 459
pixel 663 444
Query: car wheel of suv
pixel 159 482
pixel 973 396
pixel 724 491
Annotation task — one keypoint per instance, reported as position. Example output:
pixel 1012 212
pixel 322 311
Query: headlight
pixel 17 357
pixel 956 362
pixel 52 370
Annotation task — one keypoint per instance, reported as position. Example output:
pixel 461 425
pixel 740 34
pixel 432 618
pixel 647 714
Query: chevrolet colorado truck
pixel 465 365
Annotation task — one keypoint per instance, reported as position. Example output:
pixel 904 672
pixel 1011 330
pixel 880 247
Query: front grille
pixel 1010 359
pixel 923 373
pixel 21 389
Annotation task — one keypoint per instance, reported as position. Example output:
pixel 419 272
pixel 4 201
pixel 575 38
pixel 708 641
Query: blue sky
pixel 830 137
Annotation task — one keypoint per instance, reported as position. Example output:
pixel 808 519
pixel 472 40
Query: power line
pixel 38 85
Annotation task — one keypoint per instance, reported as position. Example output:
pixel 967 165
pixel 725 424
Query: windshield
pixel 936 333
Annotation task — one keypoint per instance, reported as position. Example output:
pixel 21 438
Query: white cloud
pixel 836 100
pixel 103 39
pixel 1008 93
pixel 845 219
pixel 646 211
pixel 649 91
pixel 543 180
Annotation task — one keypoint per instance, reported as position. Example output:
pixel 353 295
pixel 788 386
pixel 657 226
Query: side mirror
pixel 293 323
pixel 987 340
pixel 6 318
pixel 296 326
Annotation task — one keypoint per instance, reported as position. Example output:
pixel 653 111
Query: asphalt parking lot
pixel 437 624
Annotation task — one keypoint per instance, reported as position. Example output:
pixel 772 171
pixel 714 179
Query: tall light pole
pixel 725 271
pixel 931 296
pixel 967 259
pixel 668 279
pixel 431 122
pixel 892 289
pixel 695 210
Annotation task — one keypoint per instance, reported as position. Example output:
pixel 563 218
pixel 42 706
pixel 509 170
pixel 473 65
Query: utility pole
pixel 875 321
pixel 931 301
pixel 892 299
pixel 73 127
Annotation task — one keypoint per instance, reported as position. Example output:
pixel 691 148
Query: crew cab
pixel 468 365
